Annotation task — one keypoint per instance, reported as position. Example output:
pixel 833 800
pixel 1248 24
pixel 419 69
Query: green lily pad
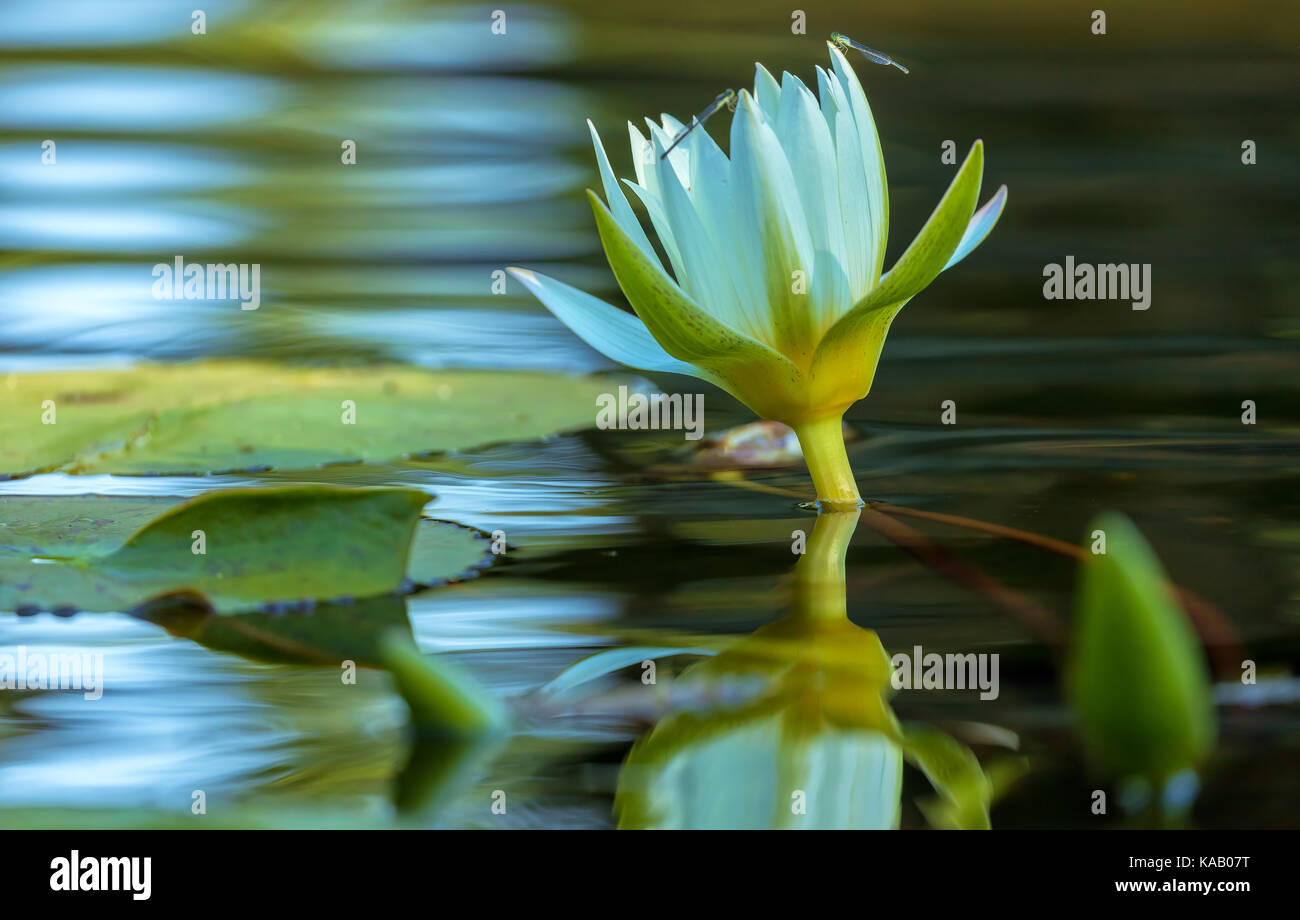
pixel 282 546
pixel 222 416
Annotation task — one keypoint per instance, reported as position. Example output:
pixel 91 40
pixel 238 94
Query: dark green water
pixel 472 155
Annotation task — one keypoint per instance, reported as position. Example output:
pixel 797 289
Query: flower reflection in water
pixel 819 747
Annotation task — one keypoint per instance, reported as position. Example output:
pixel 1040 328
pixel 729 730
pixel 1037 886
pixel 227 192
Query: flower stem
pixel 822 441
pixel 819 594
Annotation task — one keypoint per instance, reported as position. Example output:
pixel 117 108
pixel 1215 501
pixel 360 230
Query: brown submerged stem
pixel 1217 634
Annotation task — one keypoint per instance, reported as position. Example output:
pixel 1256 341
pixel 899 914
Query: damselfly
pixel 726 97
pixel 845 43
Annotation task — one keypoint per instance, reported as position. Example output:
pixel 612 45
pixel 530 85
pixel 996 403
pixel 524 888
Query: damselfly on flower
pixel 727 97
pixel 776 292
pixel 871 54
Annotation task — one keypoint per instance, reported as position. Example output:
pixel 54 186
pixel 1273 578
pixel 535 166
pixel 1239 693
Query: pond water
pixel 472 154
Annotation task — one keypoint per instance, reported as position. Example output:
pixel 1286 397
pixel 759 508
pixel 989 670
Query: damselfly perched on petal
pixel 773 288
pixel 727 97
pixel 871 54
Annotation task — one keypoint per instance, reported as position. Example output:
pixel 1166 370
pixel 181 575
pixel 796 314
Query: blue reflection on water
pixel 94 23
pixel 137 227
pixel 459 39
pixel 117 168
pixel 54 98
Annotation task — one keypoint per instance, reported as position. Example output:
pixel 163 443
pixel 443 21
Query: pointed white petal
pixel 618 335
pixel 755 373
pixel 707 165
pixel 831 97
pixel 642 157
pixel 980 225
pixel 767 93
pixel 679 159
pixel 614 196
pixel 808 146
pixel 711 193
pixel 771 222
pixel 659 218
pixel 855 208
pixel 704 275
pixel 671 125
pixel 873 161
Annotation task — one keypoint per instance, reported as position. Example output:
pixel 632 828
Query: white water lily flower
pixel 776 292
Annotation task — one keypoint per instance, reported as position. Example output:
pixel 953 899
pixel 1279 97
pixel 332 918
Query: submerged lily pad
pixel 221 416
pixel 282 547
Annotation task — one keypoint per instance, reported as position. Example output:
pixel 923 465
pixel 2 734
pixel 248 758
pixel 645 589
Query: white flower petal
pixel 831 96
pixel 873 161
pixel 976 230
pixel 679 159
pixel 767 93
pixel 619 336
pixel 671 125
pixel 711 194
pixel 707 164
pixel 752 371
pixel 770 221
pixel 980 225
pixel 704 275
pixel 811 152
pixel 855 209
pixel 642 157
pixel 659 218
pixel 615 198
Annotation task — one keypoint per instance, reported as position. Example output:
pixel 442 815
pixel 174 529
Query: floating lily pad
pixel 280 547
pixel 221 416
